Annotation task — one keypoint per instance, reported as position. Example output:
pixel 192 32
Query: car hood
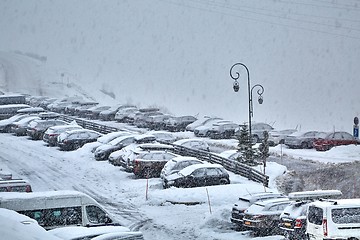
pixel 173 177
pixel 104 148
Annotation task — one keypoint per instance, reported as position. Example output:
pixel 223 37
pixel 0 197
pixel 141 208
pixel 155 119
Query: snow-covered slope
pixel 178 54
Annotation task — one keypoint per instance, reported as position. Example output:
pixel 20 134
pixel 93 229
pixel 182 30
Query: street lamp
pixel 234 74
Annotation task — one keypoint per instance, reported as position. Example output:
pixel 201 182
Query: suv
pixel 293 218
pixel 223 130
pixel 237 212
pixel 263 216
pixel 338 219
pixel 15 185
pixel 177 124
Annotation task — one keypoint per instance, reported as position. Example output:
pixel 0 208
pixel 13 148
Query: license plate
pixel 247 223
pixel 287 224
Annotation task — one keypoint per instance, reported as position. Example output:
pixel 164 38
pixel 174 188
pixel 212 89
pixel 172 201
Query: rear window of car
pixel 315 215
pixel 346 215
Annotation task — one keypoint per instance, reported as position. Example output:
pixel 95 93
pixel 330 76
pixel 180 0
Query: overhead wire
pixel 206 8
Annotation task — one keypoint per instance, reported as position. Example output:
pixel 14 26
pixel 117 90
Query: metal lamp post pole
pixel 234 74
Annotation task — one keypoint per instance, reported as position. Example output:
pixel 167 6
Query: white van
pixel 333 219
pixel 54 209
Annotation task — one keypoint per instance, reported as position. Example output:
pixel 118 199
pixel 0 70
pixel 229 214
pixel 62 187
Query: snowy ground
pixel 125 197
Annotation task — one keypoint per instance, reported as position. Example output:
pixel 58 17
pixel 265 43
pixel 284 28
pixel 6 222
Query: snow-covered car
pixel 19 128
pixel 9 110
pixel 126 156
pixel 278 136
pixel 5 124
pixel 302 140
pixel 74 139
pixel 163 136
pixel 193 143
pixel 334 139
pixel 176 164
pixel 149 163
pixel 100 232
pixel 157 122
pixel 238 210
pixel 263 216
pixel 105 139
pixel 37 128
pixel 109 114
pixel 198 175
pixel 293 218
pixel 51 134
pixel 177 124
pixel 123 112
pixel 223 130
pixel 15 185
pixel 15 226
pixel 92 112
pixel 203 130
pixel 231 154
pixel 257 131
pixel 199 122
pixel 102 152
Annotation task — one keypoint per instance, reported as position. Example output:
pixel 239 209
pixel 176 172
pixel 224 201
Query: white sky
pixel 177 54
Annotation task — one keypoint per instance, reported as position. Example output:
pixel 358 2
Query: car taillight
pixel 298 223
pixel 325 228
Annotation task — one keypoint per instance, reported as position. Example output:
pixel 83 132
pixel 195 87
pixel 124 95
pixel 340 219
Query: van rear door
pixel 315 221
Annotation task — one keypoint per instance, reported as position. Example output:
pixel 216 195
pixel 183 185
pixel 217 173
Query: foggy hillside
pixel 177 54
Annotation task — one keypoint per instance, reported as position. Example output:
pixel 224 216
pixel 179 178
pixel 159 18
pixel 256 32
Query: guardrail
pixel 230 165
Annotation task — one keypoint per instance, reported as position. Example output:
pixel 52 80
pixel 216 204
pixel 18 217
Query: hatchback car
pixel 51 134
pixel 177 124
pixel 263 217
pixel 19 128
pixel 123 112
pixel 178 163
pixel 198 175
pixel 37 128
pixel 192 143
pixel 334 139
pixel 74 139
pixel 238 210
pixel 223 130
pixel 102 152
pixel 302 140
pixel 92 112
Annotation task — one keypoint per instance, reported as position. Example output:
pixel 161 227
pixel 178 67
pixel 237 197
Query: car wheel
pixel 304 145
pixel 224 181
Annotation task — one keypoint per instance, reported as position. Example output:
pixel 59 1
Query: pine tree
pixel 263 150
pixel 245 146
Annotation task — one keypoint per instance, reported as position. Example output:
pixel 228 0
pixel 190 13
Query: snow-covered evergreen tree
pixel 245 146
pixel 263 150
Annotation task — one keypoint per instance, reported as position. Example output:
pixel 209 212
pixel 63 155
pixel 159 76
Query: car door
pixel 197 178
pixel 212 176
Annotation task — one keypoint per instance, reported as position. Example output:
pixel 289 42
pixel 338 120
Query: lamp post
pixel 235 74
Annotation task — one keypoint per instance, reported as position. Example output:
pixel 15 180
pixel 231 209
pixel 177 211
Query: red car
pixel 334 139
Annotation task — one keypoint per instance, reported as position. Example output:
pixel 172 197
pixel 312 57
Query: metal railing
pixel 229 164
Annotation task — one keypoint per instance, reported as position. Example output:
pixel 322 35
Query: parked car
pixel 150 163
pixel 15 226
pixel 5 124
pixel 231 154
pixel 123 112
pixel 126 156
pixel 15 185
pixel 203 130
pixel 177 124
pixel 198 175
pixel 74 139
pixel 199 122
pixel 102 152
pixel 96 233
pixel 105 139
pixel 140 118
pixel 31 110
pixel 302 140
pixel 293 218
pixel 163 136
pixel 192 143
pixel 263 216
pixel 278 136
pixel 257 131
pixel 9 110
pixel 51 134
pixel 334 139
pixel 37 128
pixel 157 122
pixel 92 112
pixel 238 210
pixel 176 164
pixel 333 219
pixel 222 130
pixel 19 128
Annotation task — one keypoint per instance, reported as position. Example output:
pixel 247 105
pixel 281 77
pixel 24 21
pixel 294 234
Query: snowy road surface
pixel 124 196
